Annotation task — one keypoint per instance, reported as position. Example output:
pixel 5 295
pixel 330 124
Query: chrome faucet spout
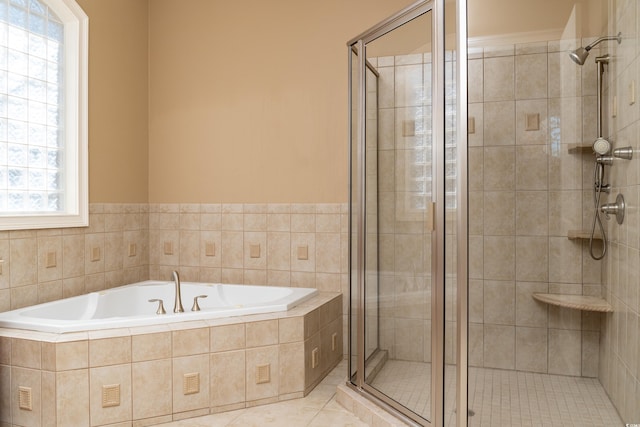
pixel 177 305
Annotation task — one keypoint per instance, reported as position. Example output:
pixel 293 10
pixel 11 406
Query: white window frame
pixel 76 170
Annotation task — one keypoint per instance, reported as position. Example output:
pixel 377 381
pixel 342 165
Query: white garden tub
pixel 129 306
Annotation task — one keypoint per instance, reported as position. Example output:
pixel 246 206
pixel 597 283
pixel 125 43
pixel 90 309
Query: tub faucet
pixel 177 305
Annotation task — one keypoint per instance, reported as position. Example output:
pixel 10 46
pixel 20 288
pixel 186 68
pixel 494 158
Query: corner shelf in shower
pixel 582 234
pixel 580 148
pixel 578 302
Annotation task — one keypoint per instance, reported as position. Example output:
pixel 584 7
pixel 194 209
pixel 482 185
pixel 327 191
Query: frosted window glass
pixel 37 157
pixel 4 102
pixel 17 131
pixel 37 68
pixel 17 108
pixel 52 115
pixel 37 7
pixel 36 179
pixel 53 93
pixel 37 24
pixel 18 178
pixel 4 57
pixel 54 159
pixel 31 117
pixel 55 202
pixel 17 155
pixel 16 201
pixel 17 16
pixel 18 62
pixel 53 180
pixel 3 158
pixel 37 135
pixel 37 201
pixel 17 85
pixel 38 112
pixel 37 46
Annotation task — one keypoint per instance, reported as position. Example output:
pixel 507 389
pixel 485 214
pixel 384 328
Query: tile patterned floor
pixel 318 409
pixel 498 398
pixel 525 399
pixel 505 398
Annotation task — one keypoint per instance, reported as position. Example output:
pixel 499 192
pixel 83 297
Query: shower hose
pixel 598 173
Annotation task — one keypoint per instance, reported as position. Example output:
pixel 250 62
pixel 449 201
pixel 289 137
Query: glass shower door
pixel 394 188
pixel 399 217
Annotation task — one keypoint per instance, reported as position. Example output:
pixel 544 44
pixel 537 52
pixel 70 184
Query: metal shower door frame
pixel 358 45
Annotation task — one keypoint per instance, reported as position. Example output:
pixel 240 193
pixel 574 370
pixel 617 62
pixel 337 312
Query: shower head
pixel 579 56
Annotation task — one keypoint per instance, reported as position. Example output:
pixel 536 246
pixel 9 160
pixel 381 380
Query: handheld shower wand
pixel 600 146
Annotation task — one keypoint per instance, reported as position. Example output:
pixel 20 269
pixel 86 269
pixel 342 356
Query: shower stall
pixel 474 295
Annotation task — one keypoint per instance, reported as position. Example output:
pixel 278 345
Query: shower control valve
pixel 604 160
pixel 616 209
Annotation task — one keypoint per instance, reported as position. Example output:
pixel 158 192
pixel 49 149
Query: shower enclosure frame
pixel 357 218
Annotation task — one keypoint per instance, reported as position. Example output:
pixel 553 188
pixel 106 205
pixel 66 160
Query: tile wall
pixel 43 265
pixel 527 104
pixel 302 245
pixel 619 361
pixel 150 375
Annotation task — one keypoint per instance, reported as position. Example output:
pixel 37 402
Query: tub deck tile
pixel 286 349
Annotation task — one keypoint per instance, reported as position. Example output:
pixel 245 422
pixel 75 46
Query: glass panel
pixel 399 193
pixel 354 213
pixel 371 249
pixel 531 213
pixel 451 175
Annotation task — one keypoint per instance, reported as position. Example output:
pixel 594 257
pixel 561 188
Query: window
pixel 43 114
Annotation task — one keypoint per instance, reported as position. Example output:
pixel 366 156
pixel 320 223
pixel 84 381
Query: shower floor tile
pixel 504 398
pixel 498 398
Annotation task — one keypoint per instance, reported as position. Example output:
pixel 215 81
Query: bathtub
pixel 129 306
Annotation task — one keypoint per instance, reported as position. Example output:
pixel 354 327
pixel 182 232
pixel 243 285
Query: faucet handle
pixel 160 309
pixel 195 306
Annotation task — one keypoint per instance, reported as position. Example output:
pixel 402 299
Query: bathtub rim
pixel 304 309
pixel 62 327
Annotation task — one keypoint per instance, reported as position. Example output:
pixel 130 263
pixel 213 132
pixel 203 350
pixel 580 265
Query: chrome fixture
pixel 601 61
pixel 602 148
pixel 160 309
pixel 616 209
pixel 177 305
pixel 604 160
pixel 625 153
pixel 196 306
pixel 579 56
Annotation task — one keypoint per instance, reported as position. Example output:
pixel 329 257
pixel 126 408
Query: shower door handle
pixel 429 220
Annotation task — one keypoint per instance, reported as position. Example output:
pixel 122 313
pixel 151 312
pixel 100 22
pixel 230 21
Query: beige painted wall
pixel 217 101
pixel 495 17
pixel 248 100
pixel 118 100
